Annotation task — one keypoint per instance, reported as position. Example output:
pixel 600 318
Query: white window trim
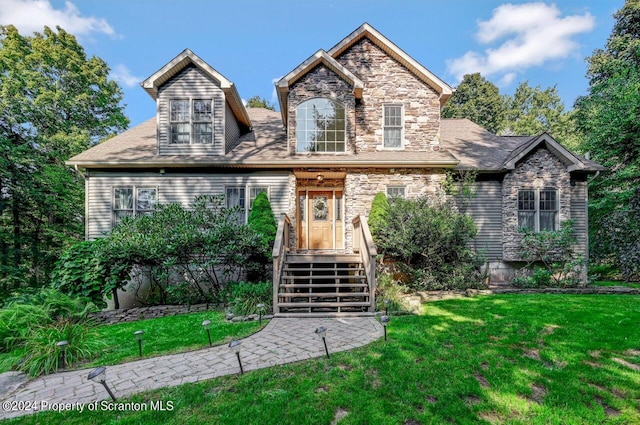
pixel 391 148
pixel 192 121
pixel 397 186
pixel 135 190
pixel 536 211
pixel 346 124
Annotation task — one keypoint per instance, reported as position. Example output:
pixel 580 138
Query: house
pixel 357 119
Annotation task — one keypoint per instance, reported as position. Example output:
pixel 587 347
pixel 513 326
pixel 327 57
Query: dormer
pixel 199 111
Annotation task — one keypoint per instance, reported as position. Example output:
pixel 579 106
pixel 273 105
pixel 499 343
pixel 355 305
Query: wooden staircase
pixel 320 285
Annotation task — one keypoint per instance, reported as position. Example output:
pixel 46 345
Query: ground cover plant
pixel 516 359
pixel 163 335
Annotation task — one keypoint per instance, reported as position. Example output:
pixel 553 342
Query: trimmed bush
pixel 262 221
pixel 378 214
pixel 429 242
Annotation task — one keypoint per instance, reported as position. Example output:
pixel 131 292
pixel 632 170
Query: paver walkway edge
pixel 282 341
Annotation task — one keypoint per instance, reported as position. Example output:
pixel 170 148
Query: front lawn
pixel 517 359
pixel 163 335
pixel 616 283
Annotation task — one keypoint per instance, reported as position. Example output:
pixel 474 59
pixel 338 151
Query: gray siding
pixel 191 83
pixel 232 129
pixel 175 188
pixel 579 214
pixel 486 210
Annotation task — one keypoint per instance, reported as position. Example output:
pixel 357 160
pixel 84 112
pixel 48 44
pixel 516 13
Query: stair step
pixel 323 285
pixel 320 277
pixel 323 294
pixel 322 258
pixel 327 314
pixel 321 269
pixel 325 304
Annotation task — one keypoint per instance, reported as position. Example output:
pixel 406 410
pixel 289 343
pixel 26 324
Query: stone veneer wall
pixel 321 82
pixel 361 185
pixel 541 170
pixel 386 81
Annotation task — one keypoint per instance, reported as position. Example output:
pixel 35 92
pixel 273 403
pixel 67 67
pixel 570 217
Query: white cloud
pixel 530 35
pixel 122 75
pixel 32 15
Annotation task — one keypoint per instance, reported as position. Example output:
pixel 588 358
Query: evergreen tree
pixel 262 220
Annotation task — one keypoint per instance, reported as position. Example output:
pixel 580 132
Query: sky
pixel 253 43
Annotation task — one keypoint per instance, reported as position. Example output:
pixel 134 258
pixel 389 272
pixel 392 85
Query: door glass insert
pixel 320 208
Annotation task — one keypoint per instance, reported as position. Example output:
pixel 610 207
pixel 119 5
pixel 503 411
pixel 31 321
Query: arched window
pixel 320 126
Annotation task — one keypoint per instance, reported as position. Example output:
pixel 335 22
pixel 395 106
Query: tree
pixel 262 221
pixel 532 111
pixel 479 100
pixel 258 102
pixel 609 119
pixel 54 103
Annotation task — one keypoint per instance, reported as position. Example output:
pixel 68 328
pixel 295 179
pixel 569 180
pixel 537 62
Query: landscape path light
pixel 322 334
pixel 99 375
pixel 63 351
pixel 385 321
pixel 235 347
pixel 207 325
pixel 138 335
pixel 260 309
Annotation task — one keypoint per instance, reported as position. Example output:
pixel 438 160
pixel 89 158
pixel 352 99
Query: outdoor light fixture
pixel 385 320
pixel 386 306
pixel 138 335
pixel 235 347
pixel 260 309
pixel 322 334
pixel 99 375
pixel 229 316
pixel 320 177
pixel 63 350
pixel 207 325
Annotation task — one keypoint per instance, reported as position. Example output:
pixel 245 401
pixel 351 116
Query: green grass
pixel 163 335
pixel 513 359
pixel 616 283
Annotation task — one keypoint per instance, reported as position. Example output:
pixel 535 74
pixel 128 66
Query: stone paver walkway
pixel 281 341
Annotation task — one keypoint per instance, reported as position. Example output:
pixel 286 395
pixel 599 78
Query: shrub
pixel 388 289
pixel 551 259
pixel 24 313
pixel 378 214
pixel 245 297
pixel 42 353
pixel 429 242
pixel 87 270
pixel 262 221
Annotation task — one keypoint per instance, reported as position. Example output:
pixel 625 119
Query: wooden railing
pixel 364 245
pixel 280 250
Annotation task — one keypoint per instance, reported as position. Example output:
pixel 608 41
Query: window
pixel 320 126
pixel 538 209
pixel 392 126
pixel 131 201
pixel 253 193
pixel 395 191
pixel 191 127
pixel 236 198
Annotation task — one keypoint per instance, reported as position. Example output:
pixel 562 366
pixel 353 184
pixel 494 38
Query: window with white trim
pixel 320 126
pixel 395 192
pixel 191 121
pixel 236 197
pixel 253 193
pixel 129 201
pixel 392 118
pixel 538 209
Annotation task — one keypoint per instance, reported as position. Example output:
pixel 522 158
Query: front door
pixel 320 220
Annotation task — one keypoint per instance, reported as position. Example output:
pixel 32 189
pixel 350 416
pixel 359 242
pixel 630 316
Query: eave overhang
pixel 319 57
pixel 186 58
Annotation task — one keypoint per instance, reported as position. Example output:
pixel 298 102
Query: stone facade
pixel 386 81
pixel 321 82
pixel 540 170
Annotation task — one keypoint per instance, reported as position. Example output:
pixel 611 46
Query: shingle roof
pixel 463 143
pixel 265 146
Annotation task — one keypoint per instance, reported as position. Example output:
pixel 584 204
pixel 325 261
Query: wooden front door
pixel 320 220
